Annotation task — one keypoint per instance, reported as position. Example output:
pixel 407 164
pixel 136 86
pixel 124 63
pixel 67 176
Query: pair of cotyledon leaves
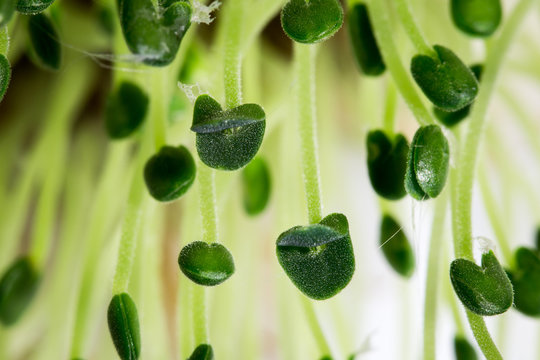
pixel 395 168
pixel 18 286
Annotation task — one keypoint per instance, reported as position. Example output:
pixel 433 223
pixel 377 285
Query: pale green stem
pixel 412 29
pixel 495 217
pixel 159 100
pixel 315 326
pixel 464 177
pixel 379 17
pixel 305 102
pixel 4 40
pixel 390 108
pixel 207 202
pixel 233 58
pixel 432 278
pixel 200 321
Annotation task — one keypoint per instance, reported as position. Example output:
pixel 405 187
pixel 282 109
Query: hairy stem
pixel 233 57
pixel 412 29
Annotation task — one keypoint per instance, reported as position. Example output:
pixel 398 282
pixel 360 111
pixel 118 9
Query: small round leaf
pixel 445 80
pixel 387 163
pixel 125 110
pixel 202 352
pixel 256 186
pixel 483 290
pixel 428 162
pixel 463 349
pixel 227 140
pixel 154 34
pixel 363 41
pixel 123 323
pixel 45 47
pixel 396 247
pixel 30 7
pixel 526 281
pixel 169 173
pixel 476 17
pixel 312 21
pixel 318 258
pixel 206 264
pixel 17 289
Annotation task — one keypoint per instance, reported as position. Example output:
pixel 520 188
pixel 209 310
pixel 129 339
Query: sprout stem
pixel 233 57
pixel 159 106
pixel 315 326
pixel 207 203
pixel 411 28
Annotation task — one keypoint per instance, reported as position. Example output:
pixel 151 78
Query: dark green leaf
pixel 526 281
pixel 202 352
pixel 476 17
pixel 363 41
pixel 538 239
pixel 311 21
pixel 169 173
pixel 154 34
pixel 396 247
pixel 7 8
pixel 387 163
pixel 5 75
pixel 445 80
pixel 124 326
pixel 229 139
pixel 33 6
pixel 44 41
pixel 318 258
pixel 463 350
pixel 257 186
pixel 483 290
pixel 428 162
pixel 206 264
pixel 125 110
pixel 17 289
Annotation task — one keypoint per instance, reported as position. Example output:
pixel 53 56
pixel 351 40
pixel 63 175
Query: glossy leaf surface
pixel 44 40
pixel 312 21
pixel 256 186
pixel 428 163
pixel 202 352
pixel 318 258
pixel 17 289
pixel 476 17
pixel 363 41
pixel 123 323
pixel 154 33
pixel 227 139
pixel 387 163
pixel 169 173
pixel 396 247
pixel 448 83
pixel 125 110
pixel 484 290
pixel 206 264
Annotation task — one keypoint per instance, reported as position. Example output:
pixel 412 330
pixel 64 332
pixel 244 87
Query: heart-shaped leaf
pixel 311 21
pixel 387 163
pixel 125 110
pixel 154 33
pixel 202 352
pixel 526 281
pixel 169 173
pixel 227 140
pixel 396 247
pixel 124 326
pixel 451 118
pixel 428 161
pixel 463 349
pixel 445 80
pixel 318 258
pixel 363 41
pixel 7 8
pixel 476 17
pixel 256 186
pixel 30 7
pixel 5 75
pixel 483 290
pixel 17 289
pixel 45 47
pixel 206 264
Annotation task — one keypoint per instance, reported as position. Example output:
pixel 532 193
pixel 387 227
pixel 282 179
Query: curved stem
pixel 315 326
pixel 463 178
pixel 385 39
pixel 233 58
pixel 305 102
pixel 411 28
pixel 432 278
